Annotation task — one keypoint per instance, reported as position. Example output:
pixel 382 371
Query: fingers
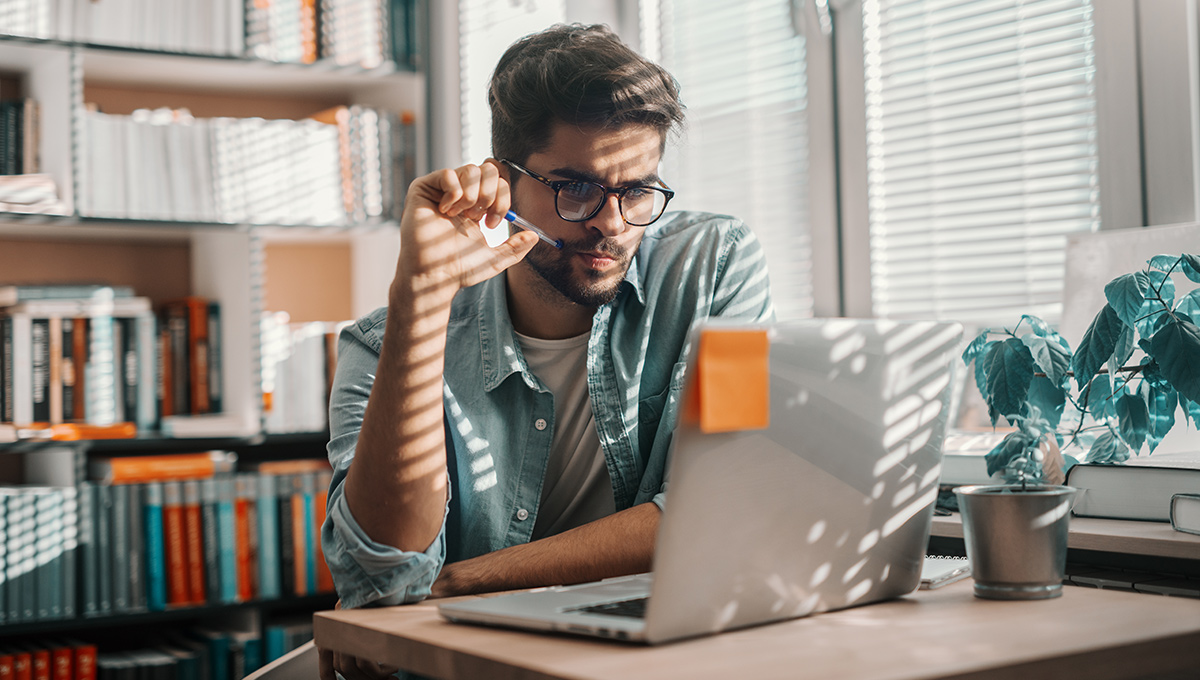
pixel 475 192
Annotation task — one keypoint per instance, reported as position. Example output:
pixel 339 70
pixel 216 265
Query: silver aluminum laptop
pixel 828 507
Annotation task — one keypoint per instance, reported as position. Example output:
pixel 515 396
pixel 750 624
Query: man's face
pixel 596 253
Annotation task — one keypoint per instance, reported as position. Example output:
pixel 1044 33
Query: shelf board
pixel 181 614
pixel 1153 539
pixel 125 66
pixel 27 225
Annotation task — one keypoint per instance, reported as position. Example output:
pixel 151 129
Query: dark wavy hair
pixel 579 75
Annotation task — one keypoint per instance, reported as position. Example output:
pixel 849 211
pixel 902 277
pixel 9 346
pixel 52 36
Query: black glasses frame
pixel 558 185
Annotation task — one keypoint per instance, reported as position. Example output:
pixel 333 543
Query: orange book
pixel 62 662
pixel 160 468
pixel 245 544
pixel 40 663
pixel 166 377
pixel 22 664
pixel 320 502
pixel 6 664
pixel 297 466
pixel 85 659
pixel 193 541
pixel 308 31
pixel 79 356
pixel 178 592
pixel 300 536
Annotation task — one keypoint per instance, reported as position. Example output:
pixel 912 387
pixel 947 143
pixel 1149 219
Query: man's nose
pixel 609 221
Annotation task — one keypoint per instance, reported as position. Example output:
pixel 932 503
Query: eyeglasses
pixel 579 201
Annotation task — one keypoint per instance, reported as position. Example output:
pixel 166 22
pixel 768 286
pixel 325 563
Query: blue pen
pixel 526 224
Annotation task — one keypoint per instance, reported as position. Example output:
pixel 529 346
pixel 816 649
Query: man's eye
pixel 578 191
pixel 638 193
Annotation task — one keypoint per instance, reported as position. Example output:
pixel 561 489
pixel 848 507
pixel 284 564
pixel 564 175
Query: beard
pixel 587 288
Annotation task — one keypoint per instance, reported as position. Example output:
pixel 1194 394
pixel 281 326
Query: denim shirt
pixel 499 417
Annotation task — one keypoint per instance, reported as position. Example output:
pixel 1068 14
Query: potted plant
pixel 1115 394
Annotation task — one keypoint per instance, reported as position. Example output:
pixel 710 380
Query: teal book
pixel 70 552
pixel 274 639
pixel 217 645
pixel 227 539
pixel 120 548
pixel 156 554
pixel 268 538
pixel 103 518
pixel 88 574
pixel 308 538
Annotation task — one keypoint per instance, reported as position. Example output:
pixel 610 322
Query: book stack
pixel 298 364
pixel 42 659
pixel 38 553
pixel 169 25
pixel 355 32
pixel 186 530
pixel 19 129
pixel 80 354
pixel 190 357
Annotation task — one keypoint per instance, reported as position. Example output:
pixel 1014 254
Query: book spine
pixel 165 383
pixel 198 350
pixel 243 516
pixel 212 546
pixel 79 356
pixel 41 663
pixel 21 361
pixel 6 664
pixel 100 369
pixel 5 371
pixel 227 537
pixel 287 546
pixel 302 513
pixel 118 370
pixel 156 557
pixel 40 375
pixel 120 548
pixel 130 368
pixel 268 537
pixel 22 664
pixel 216 389
pixel 48 508
pixel 55 377
pixel 88 566
pixel 320 503
pixel 194 539
pixel 62 663
pixel 67 347
pixel 85 660
pixel 165 467
pixel 147 357
pixel 138 597
pixel 177 329
pixel 177 583
pixel 70 555
pixel 14 547
pixel 103 518
pixel 3 556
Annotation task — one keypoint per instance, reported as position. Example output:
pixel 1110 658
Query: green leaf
pixel 1133 420
pixel 975 347
pixel 1189 304
pixel 1162 283
pixel 1010 448
pixel 1050 357
pixel 1126 293
pixel 1122 351
pixel 1176 348
pixel 1009 371
pixel 1161 407
pixel 1097 345
pixel 1108 449
pixel 1043 330
pixel 1192 408
pixel 1163 262
pixel 1099 397
pixel 1048 398
pixel 981 368
pixel 1191 267
pixel 1152 316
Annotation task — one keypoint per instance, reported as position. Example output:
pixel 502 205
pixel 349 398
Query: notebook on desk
pixel 803 476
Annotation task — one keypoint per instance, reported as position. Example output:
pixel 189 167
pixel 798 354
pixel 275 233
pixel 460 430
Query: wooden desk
pixel 944 633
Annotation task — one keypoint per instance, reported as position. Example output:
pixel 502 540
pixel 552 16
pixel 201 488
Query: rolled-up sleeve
pixel 365 572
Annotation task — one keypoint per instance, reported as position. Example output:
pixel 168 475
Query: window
pixel 981 153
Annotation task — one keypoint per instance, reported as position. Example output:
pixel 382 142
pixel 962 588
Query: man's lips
pixel 597 260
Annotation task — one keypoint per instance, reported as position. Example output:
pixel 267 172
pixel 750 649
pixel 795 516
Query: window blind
pixel 981 138
pixel 741 68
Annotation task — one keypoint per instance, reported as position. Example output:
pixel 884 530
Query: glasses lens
pixel 578 200
pixel 642 205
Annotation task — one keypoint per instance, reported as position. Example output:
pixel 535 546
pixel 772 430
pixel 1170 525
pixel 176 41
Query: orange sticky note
pixel 732 388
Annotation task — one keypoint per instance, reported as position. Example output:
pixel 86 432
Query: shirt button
pixel 540 423
pixel 522 514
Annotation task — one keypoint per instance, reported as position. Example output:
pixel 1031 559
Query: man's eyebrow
pixel 582 176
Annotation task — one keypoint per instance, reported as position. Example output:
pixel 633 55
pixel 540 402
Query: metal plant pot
pixel 1016 539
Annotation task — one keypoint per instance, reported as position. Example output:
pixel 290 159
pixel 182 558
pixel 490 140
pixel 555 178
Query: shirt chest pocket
pixel 652 409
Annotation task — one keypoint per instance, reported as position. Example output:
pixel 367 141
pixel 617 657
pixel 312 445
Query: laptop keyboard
pixel 634 609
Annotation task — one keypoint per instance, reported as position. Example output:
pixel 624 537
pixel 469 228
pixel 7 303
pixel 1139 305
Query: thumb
pixel 515 248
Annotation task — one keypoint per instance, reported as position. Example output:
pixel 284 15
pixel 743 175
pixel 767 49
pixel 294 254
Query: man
pixel 504 422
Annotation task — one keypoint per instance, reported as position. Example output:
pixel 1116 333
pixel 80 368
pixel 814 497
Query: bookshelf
pixel 315 263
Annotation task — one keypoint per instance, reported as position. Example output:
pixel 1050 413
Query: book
pixel 268 537
pixel 320 503
pixel 941 570
pixel 963 457
pixel 287 545
pixel 138 595
pixel 212 546
pixel 120 549
pixel 194 540
pixel 174 466
pixel 102 514
pixel 70 551
pixel 1185 512
pixel 227 539
pixel 246 542
pixel 89 591
pixel 173 539
pixel 156 558
pixel 188 320
pixel 1140 489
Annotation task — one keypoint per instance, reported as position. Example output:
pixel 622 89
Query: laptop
pixel 803 475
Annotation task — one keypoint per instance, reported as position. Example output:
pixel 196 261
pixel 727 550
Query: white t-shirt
pixel 576 489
